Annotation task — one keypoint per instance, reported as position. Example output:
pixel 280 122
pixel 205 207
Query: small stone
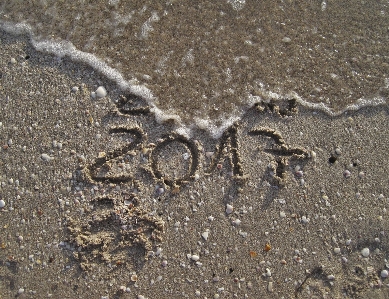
pixel 299 173
pixel 237 222
pixel 270 286
pixel 13 60
pixel 314 156
pixel 384 273
pixel 164 263
pixel 338 151
pixel 304 219
pixel 286 40
pixel 365 252
pixel 268 272
pixel 346 173
pixel 330 277
pixel 2 203
pixel 195 257
pixel 337 250
pixel 20 291
pixel 101 92
pixel 46 157
pixel 229 209
pixel 205 235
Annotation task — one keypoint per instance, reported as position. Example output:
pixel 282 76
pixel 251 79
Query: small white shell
pixel 195 257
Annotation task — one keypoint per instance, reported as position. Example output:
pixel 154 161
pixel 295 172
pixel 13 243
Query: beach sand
pixel 101 201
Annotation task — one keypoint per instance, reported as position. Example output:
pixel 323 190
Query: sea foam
pixel 66 48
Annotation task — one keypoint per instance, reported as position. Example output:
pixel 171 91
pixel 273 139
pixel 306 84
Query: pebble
pixel 205 235
pixel 331 277
pixel 337 250
pixel 338 151
pixel 195 257
pixel 270 286
pixel 286 40
pixel 347 173
pixel 20 291
pixel 101 92
pixel 304 219
pixel 314 156
pixel 2 203
pixel 384 273
pixel 282 214
pixel 46 157
pixel 299 173
pixel 365 252
pixel 229 209
pixel 13 60
pixel 268 272
pixel 237 222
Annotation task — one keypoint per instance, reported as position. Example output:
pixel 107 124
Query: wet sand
pixel 102 201
pixel 207 60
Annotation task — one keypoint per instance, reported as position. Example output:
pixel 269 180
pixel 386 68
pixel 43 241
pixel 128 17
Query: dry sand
pixel 103 202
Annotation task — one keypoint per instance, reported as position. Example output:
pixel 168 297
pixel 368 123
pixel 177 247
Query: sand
pixel 101 201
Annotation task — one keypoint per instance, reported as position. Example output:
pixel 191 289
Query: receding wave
pixel 204 65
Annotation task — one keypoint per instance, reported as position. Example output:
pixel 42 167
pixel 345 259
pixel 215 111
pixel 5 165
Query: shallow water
pixel 210 60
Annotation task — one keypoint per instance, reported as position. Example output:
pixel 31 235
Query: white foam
pixel 65 48
pixel 147 26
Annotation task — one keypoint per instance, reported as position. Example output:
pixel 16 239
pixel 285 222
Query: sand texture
pixel 101 201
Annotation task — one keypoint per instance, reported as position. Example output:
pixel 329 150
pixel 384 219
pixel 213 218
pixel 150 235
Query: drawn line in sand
pixel 113 231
